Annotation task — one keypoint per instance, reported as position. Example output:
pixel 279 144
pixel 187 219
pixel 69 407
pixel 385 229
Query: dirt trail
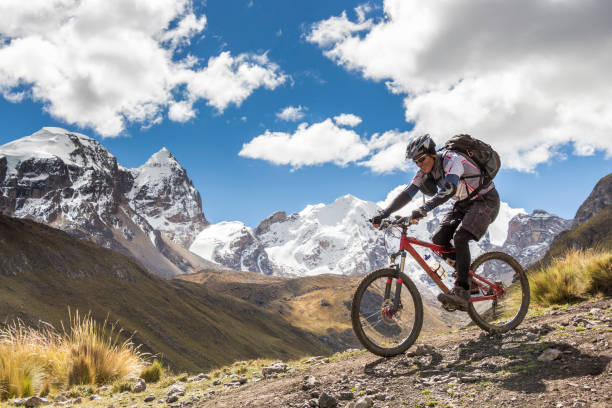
pixel 462 369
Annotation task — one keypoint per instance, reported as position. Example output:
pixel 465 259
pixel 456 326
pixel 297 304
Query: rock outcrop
pixel 600 198
pixel 530 235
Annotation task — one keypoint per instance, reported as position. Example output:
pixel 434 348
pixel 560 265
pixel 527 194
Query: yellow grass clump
pixel 575 276
pixel 34 361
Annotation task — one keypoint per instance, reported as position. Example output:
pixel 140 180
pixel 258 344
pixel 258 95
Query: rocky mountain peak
pixel 163 158
pixel 163 193
pixel 56 144
pixel 530 235
pixel 71 182
pixel 600 198
pixel 264 226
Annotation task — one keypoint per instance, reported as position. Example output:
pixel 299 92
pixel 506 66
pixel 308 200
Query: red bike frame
pixel 491 289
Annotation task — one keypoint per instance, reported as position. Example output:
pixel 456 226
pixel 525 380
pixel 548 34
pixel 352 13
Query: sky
pixel 274 105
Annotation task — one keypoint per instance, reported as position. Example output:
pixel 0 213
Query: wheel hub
pixel 386 313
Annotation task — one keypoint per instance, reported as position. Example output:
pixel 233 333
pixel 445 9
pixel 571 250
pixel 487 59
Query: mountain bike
pixel 387 310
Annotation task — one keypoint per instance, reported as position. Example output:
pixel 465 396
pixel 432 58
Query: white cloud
pixel 387 151
pixel 347 119
pixel 189 26
pixel 313 144
pixel 327 142
pixel 291 113
pixel 102 64
pixel 336 29
pixel 527 76
pixel 180 111
pixel 230 80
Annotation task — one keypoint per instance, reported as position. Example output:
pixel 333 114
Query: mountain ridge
pixel 70 181
pixel 337 238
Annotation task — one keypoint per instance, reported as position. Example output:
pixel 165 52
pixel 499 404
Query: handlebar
pixel 403 222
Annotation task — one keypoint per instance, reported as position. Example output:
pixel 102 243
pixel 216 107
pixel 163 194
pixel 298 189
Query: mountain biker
pixel 447 175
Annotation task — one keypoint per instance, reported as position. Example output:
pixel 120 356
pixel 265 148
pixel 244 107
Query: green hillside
pixel 319 304
pixel 43 271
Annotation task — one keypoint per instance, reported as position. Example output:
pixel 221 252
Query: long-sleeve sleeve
pixel 402 199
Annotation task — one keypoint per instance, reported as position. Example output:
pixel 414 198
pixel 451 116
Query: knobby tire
pixel 356 307
pixel 521 279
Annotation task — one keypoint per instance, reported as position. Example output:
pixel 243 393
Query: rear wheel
pixel 506 294
pixel 381 330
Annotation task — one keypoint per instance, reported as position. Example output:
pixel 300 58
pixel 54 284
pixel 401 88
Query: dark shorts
pixel 474 216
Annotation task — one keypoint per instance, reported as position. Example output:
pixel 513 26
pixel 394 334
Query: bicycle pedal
pixel 448 308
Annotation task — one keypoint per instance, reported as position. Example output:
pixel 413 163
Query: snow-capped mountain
pixel 165 196
pixel 70 181
pixel 337 238
pixel 232 244
pixel 334 238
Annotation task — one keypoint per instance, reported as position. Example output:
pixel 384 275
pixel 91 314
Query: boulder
pixel 549 355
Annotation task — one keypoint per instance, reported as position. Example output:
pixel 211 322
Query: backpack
pixel 480 153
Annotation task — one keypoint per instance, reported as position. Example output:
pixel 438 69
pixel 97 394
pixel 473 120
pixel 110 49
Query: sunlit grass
pixel 576 275
pixel 99 351
pixel 35 361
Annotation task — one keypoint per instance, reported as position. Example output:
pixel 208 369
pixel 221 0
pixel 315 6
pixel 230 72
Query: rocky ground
pixel 558 359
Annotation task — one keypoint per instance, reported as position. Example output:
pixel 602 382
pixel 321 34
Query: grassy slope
pixel 43 271
pixel 300 300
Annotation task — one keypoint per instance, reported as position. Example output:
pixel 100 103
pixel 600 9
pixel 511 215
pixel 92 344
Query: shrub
pixel 152 373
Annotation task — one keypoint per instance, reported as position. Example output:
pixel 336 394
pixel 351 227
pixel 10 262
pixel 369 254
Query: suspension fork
pixel 398 285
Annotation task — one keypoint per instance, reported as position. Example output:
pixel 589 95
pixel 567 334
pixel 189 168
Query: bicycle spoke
pixel 377 323
pixel 369 316
pixel 507 284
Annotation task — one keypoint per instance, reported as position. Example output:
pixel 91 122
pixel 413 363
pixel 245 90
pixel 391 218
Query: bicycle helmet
pixel 419 145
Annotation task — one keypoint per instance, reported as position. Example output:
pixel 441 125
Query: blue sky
pixel 401 67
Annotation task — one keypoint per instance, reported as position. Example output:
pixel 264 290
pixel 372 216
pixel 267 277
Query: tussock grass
pixel 35 361
pixel 152 373
pixel 576 275
pixel 97 353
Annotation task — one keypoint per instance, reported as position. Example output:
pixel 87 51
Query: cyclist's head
pixel 420 146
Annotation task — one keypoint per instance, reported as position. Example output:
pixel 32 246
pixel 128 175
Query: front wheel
pixel 503 298
pixel 381 329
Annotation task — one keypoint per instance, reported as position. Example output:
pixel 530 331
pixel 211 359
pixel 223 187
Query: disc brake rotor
pixel 386 315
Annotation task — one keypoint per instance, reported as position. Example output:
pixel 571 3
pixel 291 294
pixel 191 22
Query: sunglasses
pixel 420 159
